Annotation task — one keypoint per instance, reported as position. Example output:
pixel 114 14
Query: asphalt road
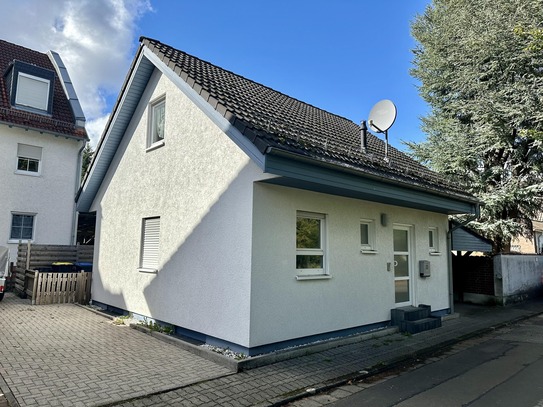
pixel 504 369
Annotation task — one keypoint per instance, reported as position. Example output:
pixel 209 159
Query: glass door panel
pixel 402 272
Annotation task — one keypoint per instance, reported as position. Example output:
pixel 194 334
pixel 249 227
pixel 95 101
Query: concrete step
pixel 424 324
pixel 409 313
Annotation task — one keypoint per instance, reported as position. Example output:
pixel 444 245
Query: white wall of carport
pixel 361 291
pixel 200 184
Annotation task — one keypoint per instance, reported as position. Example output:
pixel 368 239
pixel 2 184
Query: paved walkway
pixel 65 355
pixel 68 355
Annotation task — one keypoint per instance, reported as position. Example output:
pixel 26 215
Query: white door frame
pixel 410 264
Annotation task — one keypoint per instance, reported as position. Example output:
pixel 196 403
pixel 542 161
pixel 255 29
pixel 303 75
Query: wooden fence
pixel 48 287
pixel 60 288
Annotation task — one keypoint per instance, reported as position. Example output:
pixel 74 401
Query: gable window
pixel 150 239
pixel 367 235
pixel 310 243
pixel 32 91
pixel 22 227
pixel 433 243
pixel 157 119
pixel 28 159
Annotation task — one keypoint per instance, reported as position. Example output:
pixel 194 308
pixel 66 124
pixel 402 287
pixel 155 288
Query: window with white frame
pixel 32 91
pixel 22 226
pixel 150 240
pixel 157 119
pixel 433 242
pixel 28 159
pixel 310 243
pixel 367 235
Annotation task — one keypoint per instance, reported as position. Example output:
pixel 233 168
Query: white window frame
pixel 433 243
pixel 368 247
pixel 34 157
pixel 34 102
pixel 16 239
pixel 150 245
pixel 154 140
pixel 307 273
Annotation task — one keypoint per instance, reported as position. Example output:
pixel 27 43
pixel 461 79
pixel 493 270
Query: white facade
pixel 361 290
pixel 200 185
pixel 49 195
pixel 227 244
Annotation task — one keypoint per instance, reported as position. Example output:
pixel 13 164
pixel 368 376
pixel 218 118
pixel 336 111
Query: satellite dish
pixel 382 116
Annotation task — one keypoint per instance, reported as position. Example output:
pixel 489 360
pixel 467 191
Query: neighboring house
pixel 252 220
pixel 533 245
pixel 42 135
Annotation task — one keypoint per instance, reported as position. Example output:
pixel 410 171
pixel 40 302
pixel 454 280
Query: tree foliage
pixel 88 154
pixel 480 67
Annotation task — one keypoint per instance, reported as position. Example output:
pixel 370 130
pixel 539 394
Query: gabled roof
pixel 271 119
pixel 306 146
pixel 67 118
pixel 465 239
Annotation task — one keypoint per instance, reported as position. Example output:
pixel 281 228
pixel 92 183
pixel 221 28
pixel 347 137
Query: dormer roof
pixel 36 93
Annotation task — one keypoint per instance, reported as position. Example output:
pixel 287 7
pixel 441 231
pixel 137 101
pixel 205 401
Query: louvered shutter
pixel 26 151
pixel 150 245
pixel 33 92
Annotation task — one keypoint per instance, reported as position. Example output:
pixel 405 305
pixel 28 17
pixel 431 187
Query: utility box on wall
pixel 424 268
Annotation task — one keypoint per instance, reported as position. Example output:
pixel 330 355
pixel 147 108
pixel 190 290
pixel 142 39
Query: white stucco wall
pixel 517 277
pixel 200 184
pixel 50 196
pixel 361 290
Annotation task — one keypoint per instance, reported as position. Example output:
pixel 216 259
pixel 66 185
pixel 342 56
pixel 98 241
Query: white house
pixel 42 135
pixel 249 219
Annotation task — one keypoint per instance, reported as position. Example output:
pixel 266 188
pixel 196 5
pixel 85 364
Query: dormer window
pixel 30 87
pixel 32 91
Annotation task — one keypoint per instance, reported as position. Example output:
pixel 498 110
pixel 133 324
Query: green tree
pixel 88 154
pixel 480 67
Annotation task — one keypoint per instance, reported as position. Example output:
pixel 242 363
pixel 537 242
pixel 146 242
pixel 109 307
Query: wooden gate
pixel 60 288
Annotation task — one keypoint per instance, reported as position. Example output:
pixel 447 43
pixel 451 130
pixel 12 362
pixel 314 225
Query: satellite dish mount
pixel 381 118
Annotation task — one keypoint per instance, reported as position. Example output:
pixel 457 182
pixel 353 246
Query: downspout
pixel 77 184
pixel 449 251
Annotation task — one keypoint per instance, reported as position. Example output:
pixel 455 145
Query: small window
pixel 157 119
pixel 28 159
pixel 310 243
pixel 433 240
pixel 367 235
pixel 22 227
pixel 32 91
pixel 150 244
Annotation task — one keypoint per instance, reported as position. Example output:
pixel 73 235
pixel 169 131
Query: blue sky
pixel 342 56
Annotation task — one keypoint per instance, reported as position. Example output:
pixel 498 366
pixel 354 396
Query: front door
pixel 402 266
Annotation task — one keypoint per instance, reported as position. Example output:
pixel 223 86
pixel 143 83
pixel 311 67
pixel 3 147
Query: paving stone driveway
pixel 65 355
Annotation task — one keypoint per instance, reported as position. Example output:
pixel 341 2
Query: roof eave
pixel 46 131
pixel 469 203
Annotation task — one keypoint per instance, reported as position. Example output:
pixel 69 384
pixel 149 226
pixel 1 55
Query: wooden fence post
pixel 28 244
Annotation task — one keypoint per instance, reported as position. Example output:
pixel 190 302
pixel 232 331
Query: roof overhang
pixel 303 173
pixel 129 98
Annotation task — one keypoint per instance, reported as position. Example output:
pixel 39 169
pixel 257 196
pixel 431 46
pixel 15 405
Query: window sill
pixel 154 146
pixel 30 173
pixel 435 253
pixel 313 277
pixel 19 241
pixel 148 271
pixel 368 251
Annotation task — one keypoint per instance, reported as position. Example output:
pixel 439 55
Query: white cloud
pixel 96 39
